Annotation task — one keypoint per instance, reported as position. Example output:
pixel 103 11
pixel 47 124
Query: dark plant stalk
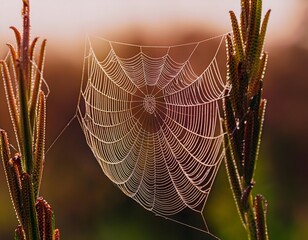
pixel 27 108
pixel 244 110
pixel 24 86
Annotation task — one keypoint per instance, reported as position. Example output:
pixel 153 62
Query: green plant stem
pixel 27 107
pixel 24 86
pixel 25 125
pixel 31 223
pixel 26 42
pixel 244 113
pixel 251 221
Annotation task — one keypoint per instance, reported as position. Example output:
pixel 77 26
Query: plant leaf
pixel 248 148
pixel 18 40
pixel 253 33
pixel 39 152
pixel 30 226
pixel 238 40
pixel 263 31
pixel 12 176
pixel 232 172
pixel 11 100
pixel 245 9
pixel 260 207
pixel 37 83
pixel 19 235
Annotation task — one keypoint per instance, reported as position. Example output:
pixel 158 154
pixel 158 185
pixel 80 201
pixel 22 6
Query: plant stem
pixel 24 87
pixel 25 125
pixel 251 223
pixel 244 111
pixel 26 131
pixel 27 109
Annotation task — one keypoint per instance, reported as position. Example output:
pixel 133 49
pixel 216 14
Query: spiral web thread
pixel 153 125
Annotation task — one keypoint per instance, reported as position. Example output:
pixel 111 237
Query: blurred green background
pixel 86 203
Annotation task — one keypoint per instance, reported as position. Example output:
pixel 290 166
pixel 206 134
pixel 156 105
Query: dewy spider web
pixel 153 123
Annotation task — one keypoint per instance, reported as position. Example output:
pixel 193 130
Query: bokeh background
pixel 87 205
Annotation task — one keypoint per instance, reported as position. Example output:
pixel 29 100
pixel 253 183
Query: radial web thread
pixel 153 123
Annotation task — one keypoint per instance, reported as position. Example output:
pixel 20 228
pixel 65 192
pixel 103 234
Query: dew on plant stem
pixel 237 121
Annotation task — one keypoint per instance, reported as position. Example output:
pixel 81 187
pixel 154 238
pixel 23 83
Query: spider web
pixel 152 120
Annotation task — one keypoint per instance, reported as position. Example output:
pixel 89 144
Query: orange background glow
pixel 86 204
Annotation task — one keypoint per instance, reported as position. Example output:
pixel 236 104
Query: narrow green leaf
pixel 243 80
pixel 262 37
pixel 40 211
pixel 233 131
pixel 39 152
pixel 18 40
pixel 37 82
pixel 251 220
pixel 11 100
pixel 248 151
pixel 12 176
pixel 244 18
pixel 32 65
pixel 246 196
pixel 232 173
pixel 49 227
pixel 30 227
pixel 238 40
pixel 24 57
pixel 258 16
pixel 255 58
pixel 46 219
pixel 4 147
pixel 14 60
pixel 24 122
pixel 255 108
pixel 16 173
pixel 19 235
pixel 232 74
pixel 260 207
pixel 32 48
pixel 14 179
pixel 253 34
pixel 258 77
pixel 260 127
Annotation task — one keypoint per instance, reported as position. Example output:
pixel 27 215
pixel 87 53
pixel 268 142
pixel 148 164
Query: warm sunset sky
pixel 65 23
pixel 74 18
